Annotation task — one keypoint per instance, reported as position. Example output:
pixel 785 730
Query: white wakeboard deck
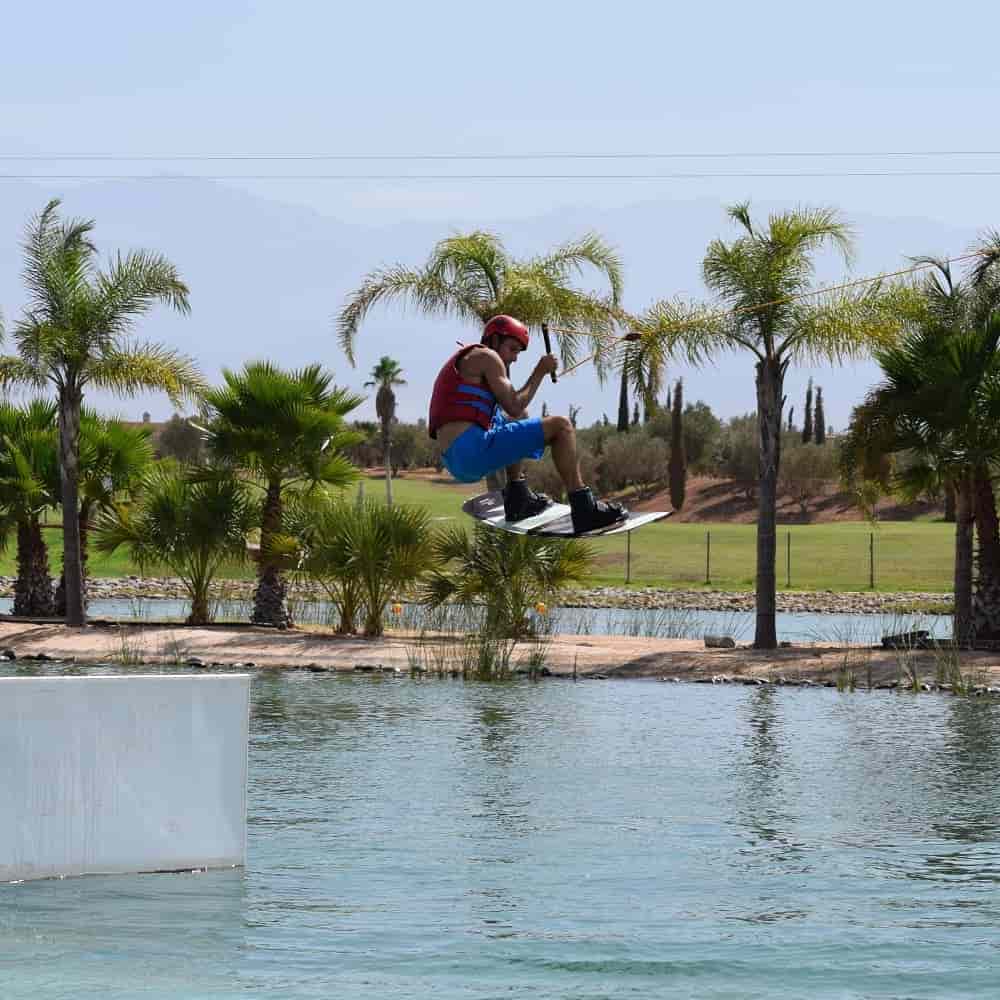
pixel 555 521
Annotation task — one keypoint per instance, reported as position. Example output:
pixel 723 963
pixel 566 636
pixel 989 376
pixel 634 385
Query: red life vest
pixel 455 398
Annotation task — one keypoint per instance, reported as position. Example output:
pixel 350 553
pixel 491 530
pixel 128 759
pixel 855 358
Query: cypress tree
pixel 669 404
pixel 623 405
pixel 545 410
pixel 791 413
pixel 677 466
pixel 807 420
pixel 820 418
pixel 635 413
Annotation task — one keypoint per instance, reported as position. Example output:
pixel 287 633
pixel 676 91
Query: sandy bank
pixel 588 656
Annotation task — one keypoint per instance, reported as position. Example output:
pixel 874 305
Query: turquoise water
pixel 446 839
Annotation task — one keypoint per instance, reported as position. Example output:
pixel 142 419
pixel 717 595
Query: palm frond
pixel 141 367
pixel 574 256
pixel 988 249
pixel 848 324
pixel 132 285
pixel 676 330
pixel 470 276
pixel 57 263
pixel 423 289
pixel 474 261
pixel 740 212
pixel 758 273
pixel 16 371
pixel 388 372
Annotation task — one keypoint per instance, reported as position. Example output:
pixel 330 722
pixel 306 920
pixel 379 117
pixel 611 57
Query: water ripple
pixel 560 840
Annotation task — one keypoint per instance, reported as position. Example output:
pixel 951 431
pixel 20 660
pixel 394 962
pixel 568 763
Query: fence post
pixel 628 556
pixel 708 558
pixel 788 559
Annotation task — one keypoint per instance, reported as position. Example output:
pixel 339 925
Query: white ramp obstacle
pixel 122 774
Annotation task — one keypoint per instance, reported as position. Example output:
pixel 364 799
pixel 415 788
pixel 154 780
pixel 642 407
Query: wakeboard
pixel 555 521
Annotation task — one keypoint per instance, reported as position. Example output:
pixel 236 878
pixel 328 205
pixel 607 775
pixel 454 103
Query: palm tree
pixel 939 401
pixel 29 484
pixel 286 431
pixel 75 333
pixel 760 277
pixel 473 277
pixel 194 527
pixel 385 375
pixel 114 459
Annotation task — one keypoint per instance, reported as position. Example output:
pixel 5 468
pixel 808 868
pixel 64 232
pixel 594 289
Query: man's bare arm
pixel 514 401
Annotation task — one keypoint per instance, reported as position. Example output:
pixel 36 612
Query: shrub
pixel 364 554
pixel 193 527
pixel 542 475
pixel 632 459
pixel 507 573
pixel 180 439
pixel 806 471
pixel 702 430
pixel 413 447
pixel 738 453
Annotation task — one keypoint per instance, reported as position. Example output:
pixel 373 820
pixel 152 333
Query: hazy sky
pixel 225 78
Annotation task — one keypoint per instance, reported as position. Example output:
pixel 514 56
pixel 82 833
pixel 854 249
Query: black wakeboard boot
pixel 519 502
pixel 590 514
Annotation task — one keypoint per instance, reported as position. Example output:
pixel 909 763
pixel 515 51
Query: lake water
pixel 664 623
pixel 600 839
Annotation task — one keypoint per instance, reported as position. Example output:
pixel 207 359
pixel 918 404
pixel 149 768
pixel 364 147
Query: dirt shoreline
pixel 564 655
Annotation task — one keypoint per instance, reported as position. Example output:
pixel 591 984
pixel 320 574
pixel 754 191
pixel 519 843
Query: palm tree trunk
pixel 60 592
pixel 770 380
pixel 85 507
pixel 950 504
pixel 962 625
pixel 199 614
pixel 986 598
pixel 70 400
pixel 387 461
pixel 33 586
pixel 269 606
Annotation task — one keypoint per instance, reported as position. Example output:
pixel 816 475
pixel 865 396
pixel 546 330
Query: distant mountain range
pixel 267 278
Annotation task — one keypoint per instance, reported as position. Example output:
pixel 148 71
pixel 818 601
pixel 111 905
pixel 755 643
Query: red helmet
pixel 506 326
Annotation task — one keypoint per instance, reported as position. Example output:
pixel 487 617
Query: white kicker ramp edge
pixel 122 774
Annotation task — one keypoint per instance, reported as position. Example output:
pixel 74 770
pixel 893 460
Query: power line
pixel 543 155
pixel 720 175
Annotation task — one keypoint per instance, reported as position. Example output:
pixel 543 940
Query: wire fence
pixel 908 557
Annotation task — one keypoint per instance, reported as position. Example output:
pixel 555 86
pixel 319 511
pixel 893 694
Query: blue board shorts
pixel 476 452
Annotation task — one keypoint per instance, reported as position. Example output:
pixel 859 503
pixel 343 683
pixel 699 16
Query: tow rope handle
pixel 548 345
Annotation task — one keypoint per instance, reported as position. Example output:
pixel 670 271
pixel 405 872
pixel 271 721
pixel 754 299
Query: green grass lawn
pixel 909 555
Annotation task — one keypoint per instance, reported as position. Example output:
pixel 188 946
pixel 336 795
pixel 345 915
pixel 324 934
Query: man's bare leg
pixel 561 438
pixel 588 512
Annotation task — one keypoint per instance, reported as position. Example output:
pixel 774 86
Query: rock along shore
pixel 822 601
